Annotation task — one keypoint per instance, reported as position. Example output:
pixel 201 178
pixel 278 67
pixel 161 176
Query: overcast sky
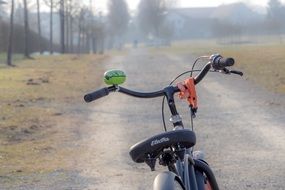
pixel 102 4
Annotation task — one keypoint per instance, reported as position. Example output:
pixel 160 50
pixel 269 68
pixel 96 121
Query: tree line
pixel 272 24
pixel 71 26
pixel 80 27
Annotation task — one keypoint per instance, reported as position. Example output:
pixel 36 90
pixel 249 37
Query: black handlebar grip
pixel 96 95
pixel 219 62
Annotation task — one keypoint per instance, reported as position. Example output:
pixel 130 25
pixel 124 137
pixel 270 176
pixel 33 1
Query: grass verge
pixel 262 63
pixel 41 111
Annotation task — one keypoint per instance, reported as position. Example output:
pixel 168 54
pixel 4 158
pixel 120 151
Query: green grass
pixel 262 63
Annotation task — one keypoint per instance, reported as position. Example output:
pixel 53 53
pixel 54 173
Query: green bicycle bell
pixel 114 77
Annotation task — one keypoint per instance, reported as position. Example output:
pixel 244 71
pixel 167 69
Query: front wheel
pixel 205 177
pixel 167 181
pixel 202 181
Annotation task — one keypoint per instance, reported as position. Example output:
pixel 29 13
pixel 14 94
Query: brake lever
pixel 228 72
pixel 237 72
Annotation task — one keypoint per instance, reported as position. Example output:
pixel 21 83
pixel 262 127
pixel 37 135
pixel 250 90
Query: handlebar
pixel 105 91
pixel 141 94
pixel 203 73
pixel 216 62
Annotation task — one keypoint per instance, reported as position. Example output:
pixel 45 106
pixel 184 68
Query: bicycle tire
pixel 203 168
pixel 177 185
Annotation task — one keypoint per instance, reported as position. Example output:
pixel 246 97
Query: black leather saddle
pixel 154 145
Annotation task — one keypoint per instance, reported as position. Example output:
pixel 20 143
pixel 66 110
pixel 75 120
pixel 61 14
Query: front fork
pixel 189 173
pixel 185 168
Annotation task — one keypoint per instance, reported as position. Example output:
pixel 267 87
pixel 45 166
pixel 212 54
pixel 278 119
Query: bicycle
pixel 187 169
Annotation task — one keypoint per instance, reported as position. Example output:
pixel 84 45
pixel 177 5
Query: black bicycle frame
pixel 184 169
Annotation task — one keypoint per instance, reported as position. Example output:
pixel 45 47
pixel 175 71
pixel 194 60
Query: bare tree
pixel 226 32
pixel 81 26
pixel 72 14
pixel 11 32
pixel 67 23
pixel 118 18
pixel 151 15
pixel 100 34
pixel 275 10
pixel 39 26
pixel 73 11
pixel 52 5
pixel 51 27
pixel 62 25
pixel 71 8
pixel 18 13
pixel 27 30
pixel 275 18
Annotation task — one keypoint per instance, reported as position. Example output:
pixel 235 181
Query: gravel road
pixel 239 126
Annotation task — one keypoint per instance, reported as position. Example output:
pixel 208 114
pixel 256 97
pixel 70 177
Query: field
pixel 40 112
pixel 262 63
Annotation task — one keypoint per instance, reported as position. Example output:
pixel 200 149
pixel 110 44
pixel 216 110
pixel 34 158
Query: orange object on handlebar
pixel 188 90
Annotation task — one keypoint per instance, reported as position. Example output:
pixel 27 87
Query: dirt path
pixel 239 126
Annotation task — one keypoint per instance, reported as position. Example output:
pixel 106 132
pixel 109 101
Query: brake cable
pixel 177 77
pixel 163 99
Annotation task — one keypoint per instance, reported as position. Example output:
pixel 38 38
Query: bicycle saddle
pixel 154 145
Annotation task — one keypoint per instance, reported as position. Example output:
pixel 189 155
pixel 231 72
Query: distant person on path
pixel 135 43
